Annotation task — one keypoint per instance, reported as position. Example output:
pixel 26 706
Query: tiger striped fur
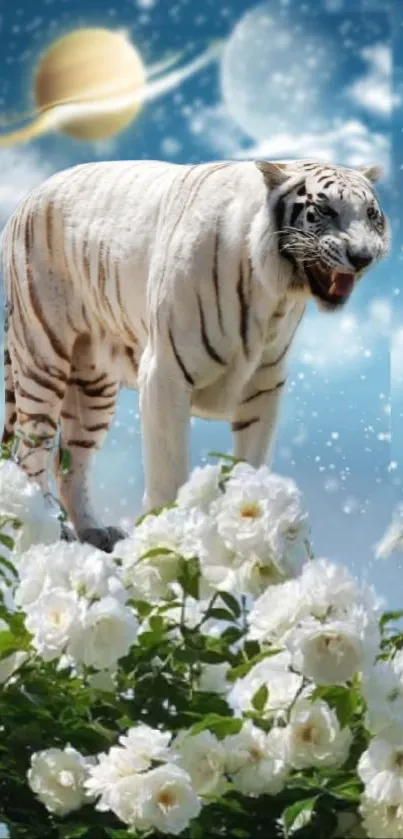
pixel 188 282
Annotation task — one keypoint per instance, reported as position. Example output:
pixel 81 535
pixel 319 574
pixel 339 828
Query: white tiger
pixel 187 282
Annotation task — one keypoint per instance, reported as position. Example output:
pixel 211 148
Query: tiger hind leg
pixel 10 413
pixel 35 391
pixel 87 412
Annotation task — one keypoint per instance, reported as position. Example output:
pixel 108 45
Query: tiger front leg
pixel 165 399
pixel 255 419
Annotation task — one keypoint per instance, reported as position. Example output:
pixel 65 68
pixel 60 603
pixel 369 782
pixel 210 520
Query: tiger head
pixel 329 225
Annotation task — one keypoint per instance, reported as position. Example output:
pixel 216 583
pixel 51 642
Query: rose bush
pixel 210 678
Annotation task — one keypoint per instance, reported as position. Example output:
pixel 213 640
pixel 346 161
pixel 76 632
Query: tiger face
pixel 329 223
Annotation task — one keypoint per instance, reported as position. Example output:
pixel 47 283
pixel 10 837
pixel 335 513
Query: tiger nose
pixel 358 260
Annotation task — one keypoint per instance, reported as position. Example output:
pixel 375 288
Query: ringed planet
pixel 92 83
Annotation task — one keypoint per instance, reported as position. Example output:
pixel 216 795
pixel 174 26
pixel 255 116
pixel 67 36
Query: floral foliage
pixel 210 678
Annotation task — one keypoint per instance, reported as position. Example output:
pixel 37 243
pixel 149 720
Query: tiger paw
pixel 103 538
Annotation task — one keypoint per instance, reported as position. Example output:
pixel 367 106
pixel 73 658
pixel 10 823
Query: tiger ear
pixel 372 173
pixel 275 174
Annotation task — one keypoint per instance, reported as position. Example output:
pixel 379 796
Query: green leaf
pixel 231 603
pixel 9 565
pixel 260 698
pixel 8 541
pixel 229 457
pixel 242 670
pixel 189 576
pixel 345 701
pixel 387 617
pixel 65 461
pixel 8 643
pixel 212 657
pixel 73 831
pixel 156 552
pixel 298 815
pixel 347 790
pixel 219 725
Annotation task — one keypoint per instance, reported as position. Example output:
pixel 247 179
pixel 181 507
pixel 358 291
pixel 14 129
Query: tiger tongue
pixel 341 283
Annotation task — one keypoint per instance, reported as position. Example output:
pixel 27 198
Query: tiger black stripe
pixel 126 326
pixel 24 393
pixel 180 363
pixel 83 444
pixel 36 474
pixel 45 383
pixel 101 426
pixel 54 341
pixel 105 407
pixel 295 212
pixel 100 391
pixel 243 311
pixel 269 364
pixel 215 280
pixel 10 397
pixel 206 343
pixel 242 425
pixel 264 390
pixel 85 383
pixel 43 418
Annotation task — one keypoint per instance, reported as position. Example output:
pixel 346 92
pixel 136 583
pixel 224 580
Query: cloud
pixel 349 142
pixel 20 171
pixel 373 91
pixel 336 342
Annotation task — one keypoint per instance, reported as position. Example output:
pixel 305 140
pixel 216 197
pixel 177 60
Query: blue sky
pixel 317 79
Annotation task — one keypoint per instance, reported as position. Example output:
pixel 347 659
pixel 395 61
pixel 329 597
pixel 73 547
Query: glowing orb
pixel 92 83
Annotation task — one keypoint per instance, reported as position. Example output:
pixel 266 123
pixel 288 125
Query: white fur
pixel 154 225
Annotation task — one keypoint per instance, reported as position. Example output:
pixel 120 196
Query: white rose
pixel 256 761
pixel 324 591
pixel 260 516
pixel 329 653
pixel 380 768
pixel 203 757
pixel 314 736
pixel 276 611
pixel 201 489
pixel 164 799
pixel 105 778
pixel 104 633
pixel 57 778
pixel 274 673
pixel 382 688
pixel 380 820
pixel 73 566
pixel 147 743
pixel 331 592
pixel 21 499
pixel 51 620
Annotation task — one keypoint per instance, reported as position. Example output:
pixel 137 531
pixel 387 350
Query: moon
pixel 92 83
pixel 274 73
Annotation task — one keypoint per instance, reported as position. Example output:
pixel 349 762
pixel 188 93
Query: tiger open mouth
pixel 331 286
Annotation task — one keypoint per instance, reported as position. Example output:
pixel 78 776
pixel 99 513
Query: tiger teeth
pixel 332 287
